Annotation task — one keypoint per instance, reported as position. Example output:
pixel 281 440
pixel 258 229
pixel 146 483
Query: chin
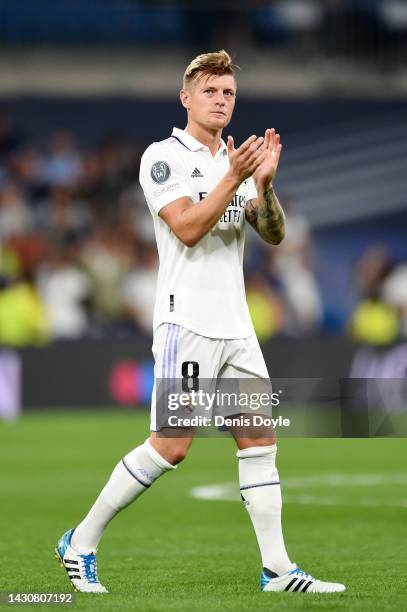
pixel 218 122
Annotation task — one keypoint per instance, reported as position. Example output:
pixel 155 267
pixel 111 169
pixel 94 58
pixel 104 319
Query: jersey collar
pixel 192 143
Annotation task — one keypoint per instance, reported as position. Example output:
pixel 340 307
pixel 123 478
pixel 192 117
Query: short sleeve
pixel 163 177
pixel 251 191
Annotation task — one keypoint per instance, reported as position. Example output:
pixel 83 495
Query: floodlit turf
pixel 171 551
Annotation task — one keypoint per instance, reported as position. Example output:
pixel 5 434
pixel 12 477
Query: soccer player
pixel 201 191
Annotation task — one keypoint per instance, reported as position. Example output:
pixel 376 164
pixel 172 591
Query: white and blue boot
pixel 81 569
pixel 297 581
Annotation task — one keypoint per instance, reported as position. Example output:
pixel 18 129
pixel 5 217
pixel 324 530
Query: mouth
pixel 219 113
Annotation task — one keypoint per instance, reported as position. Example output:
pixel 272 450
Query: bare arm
pixel 266 216
pixel 265 213
pixel 190 222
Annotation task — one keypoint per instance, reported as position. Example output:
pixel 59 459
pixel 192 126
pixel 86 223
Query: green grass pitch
pixel 344 518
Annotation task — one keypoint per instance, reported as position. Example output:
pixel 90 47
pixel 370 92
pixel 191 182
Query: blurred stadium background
pixel 84 88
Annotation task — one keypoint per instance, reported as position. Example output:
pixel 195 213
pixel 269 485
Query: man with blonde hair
pixel 200 192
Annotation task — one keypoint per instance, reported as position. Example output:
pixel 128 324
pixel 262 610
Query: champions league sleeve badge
pixel 160 172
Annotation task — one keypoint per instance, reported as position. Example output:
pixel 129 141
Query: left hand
pixel 266 172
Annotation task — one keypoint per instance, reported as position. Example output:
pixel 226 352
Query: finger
pixel 230 144
pixel 246 144
pixel 258 161
pixel 277 145
pixel 276 153
pixel 244 156
pixel 267 137
pixel 259 151
pixel 252 148
pixel 272 138
pixel 257 144
pixel 253 160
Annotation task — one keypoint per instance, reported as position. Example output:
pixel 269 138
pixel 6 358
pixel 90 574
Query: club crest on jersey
pixel 160 172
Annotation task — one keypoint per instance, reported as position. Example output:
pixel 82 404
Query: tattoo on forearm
pixel 251 213
pixel 267 217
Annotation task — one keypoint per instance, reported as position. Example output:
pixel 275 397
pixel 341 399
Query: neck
pixel 209 138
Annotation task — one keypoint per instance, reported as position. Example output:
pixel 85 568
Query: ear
pixel 185 98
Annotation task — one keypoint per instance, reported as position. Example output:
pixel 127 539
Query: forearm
pixel 267 215
pixel 199 219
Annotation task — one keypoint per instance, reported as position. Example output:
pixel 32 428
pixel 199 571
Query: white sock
pixel 131 477
pixel 261 493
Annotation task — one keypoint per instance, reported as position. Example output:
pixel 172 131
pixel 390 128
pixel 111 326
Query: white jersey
pixel 201 287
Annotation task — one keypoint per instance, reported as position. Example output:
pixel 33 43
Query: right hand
pixel 247 158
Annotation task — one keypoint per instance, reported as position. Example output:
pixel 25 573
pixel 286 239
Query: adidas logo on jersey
pixel 196 174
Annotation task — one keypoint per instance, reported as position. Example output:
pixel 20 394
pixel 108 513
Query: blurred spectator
pixel 15 214
pixel 26 167
pixel 374 322
pixel 139 288
pixel 108 172
pixel 394 294
pixel 379 323
pixel 62 166
pixel 63 215
pixel 371 269
pixel 264 306
pixel 30 251
pixel 64 289
pixel 293 264
pixel 23 320
pixel 135 216
pixel 106 261
pixel 9 263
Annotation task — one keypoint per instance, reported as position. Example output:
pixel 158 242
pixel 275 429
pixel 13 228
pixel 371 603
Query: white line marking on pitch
pixel 228 491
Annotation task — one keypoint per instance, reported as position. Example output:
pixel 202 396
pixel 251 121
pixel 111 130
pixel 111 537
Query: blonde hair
pixel 216 63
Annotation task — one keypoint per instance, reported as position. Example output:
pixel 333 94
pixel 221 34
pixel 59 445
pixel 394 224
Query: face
pixel 210 101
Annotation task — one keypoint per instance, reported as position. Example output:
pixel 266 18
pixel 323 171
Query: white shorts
pixel 176 348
